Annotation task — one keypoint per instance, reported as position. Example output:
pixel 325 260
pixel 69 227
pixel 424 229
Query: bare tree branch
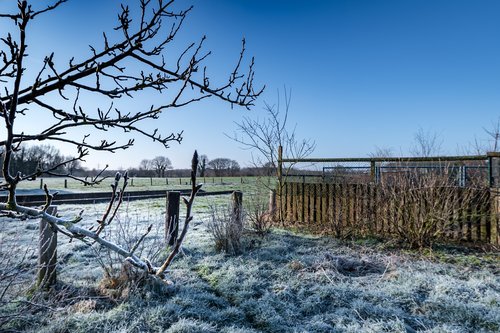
pixel 126 64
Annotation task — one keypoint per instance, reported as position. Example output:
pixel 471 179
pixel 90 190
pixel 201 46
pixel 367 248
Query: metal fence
pixel 463 171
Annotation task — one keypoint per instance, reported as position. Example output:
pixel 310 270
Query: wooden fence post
pixel 373 174
pixel 237 198
pixel 172 217
pixel 47 253
pixel 272 204
pixel 494 177
pixel 41 183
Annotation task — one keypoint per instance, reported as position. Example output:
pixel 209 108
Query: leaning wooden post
pixel 494 177
pixel 172 217
pixel 237 199
pixel 47 253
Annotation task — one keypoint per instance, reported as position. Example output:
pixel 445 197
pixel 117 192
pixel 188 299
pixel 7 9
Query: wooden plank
pixel 301 214
pixel 324 204
pixel 306 204
pixel 295 201
pixel 486 221
pixel 346 198
pixel 339 200
pixel 354 211
pixel 331 207
pixel 289 200
pixel 319 205
pixel 312 203
pixel 494 216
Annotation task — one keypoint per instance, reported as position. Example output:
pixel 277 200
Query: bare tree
pixel 133 61
pixel 426 144
pixel 492 141
pixel 202 167
pixel 382 152
pixel 265 136
pixel 161 164
pixel 146 167
pixel 29 158
pixel 493 134
pixel 223 166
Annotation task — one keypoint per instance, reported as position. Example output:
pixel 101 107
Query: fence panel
pixel 364 209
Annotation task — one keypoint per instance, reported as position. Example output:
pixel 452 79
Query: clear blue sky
pixel 363 73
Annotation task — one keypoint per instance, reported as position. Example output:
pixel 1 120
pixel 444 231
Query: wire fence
pixel 465 171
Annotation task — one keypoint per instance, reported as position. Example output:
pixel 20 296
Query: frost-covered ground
pixel 283 282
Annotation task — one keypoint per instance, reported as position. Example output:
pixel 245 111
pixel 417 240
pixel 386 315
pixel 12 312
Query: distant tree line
pixel 30 158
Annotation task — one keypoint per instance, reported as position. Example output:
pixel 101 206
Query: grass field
pixel 283 282
pixel 139 184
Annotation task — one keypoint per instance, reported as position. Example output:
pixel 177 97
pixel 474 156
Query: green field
pixel 245 184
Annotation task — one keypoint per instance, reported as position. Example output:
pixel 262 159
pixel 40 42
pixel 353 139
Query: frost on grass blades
pixel 286 283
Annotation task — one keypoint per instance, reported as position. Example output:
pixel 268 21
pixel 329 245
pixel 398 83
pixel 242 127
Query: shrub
pixel 422 208
pixel 257 214
pixel 226 227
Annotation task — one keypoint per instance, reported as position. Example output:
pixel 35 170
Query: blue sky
pixel 363 73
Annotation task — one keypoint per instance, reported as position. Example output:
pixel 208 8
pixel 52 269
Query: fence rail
pixel 92 197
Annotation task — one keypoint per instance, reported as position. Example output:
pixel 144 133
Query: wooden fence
pixel 372 208
pixel 460 214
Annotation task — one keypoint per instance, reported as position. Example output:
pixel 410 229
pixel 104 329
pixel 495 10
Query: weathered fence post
pixel 132 182
pixel 47 253
pixel 172 217
pixel 494 177
pixel 151 180
pixel 272 204
pixel 373 173
pixel 65 183
pixel 180 181
pixel 41 183
pixel 237 199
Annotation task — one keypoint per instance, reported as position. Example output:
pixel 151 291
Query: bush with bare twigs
pixel 422 208
pixel 226 228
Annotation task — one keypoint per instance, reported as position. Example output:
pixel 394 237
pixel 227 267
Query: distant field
pixel 244 184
